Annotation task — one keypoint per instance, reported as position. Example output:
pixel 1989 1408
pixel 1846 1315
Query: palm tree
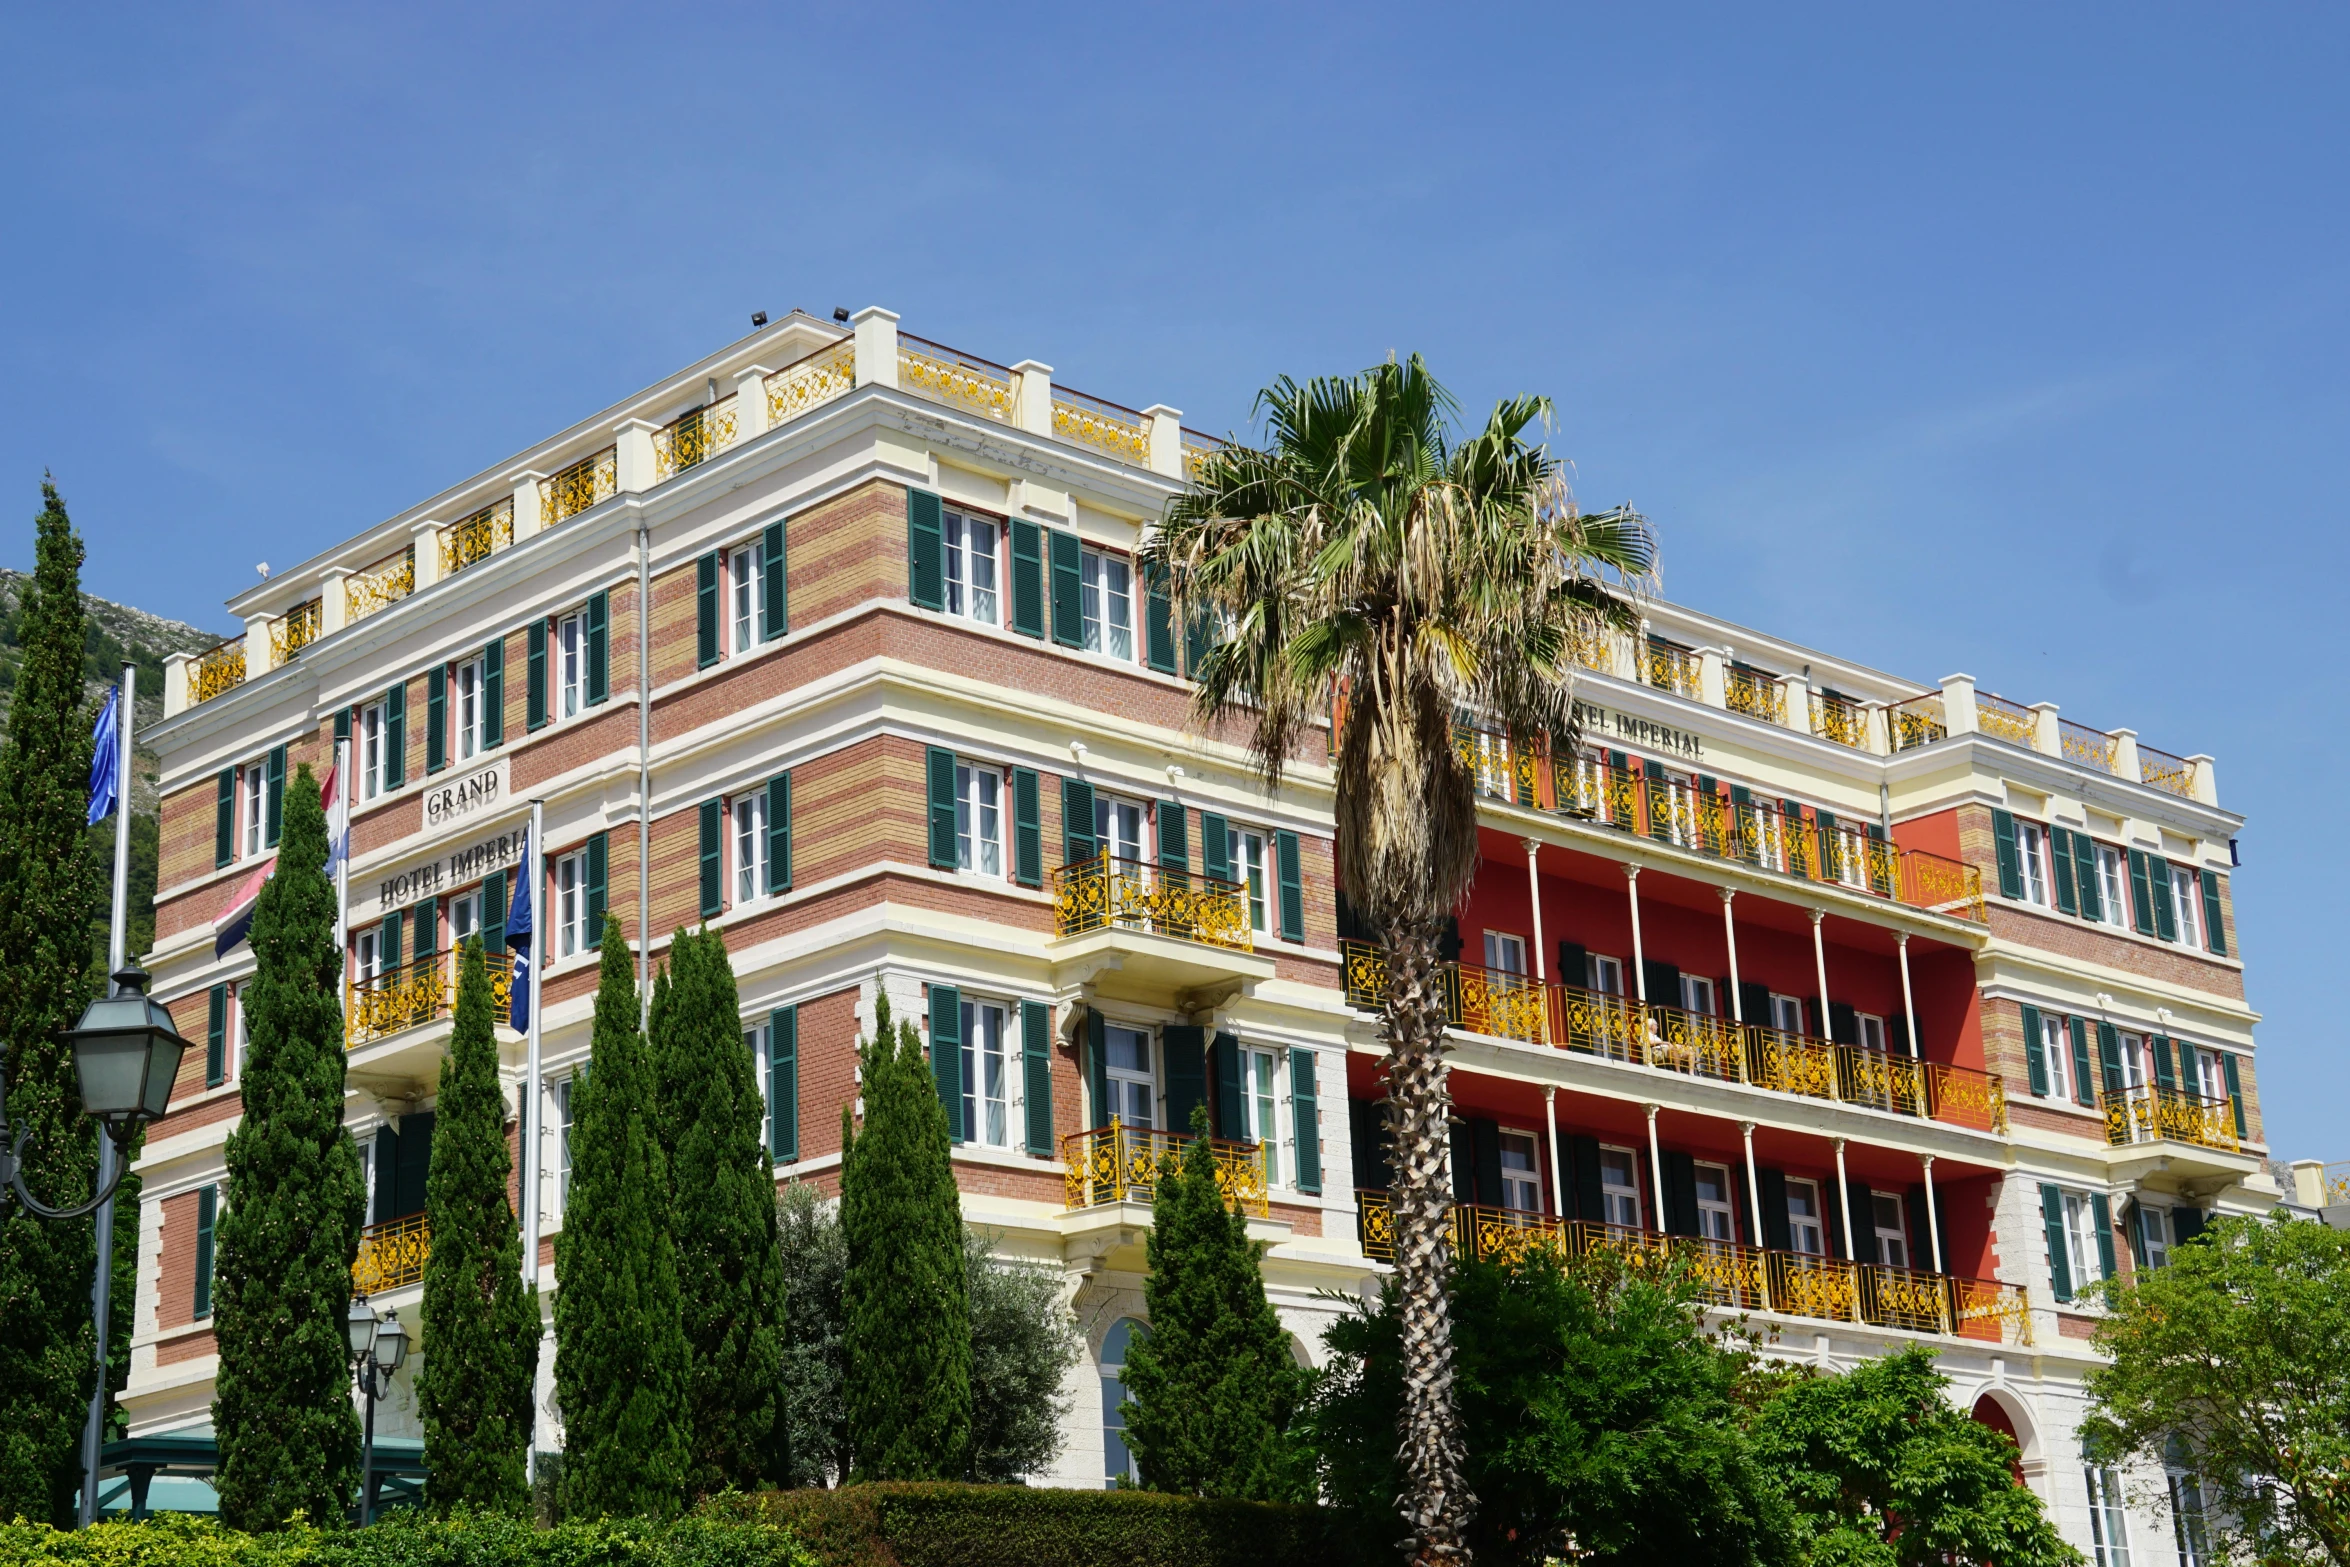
pixel 1361 562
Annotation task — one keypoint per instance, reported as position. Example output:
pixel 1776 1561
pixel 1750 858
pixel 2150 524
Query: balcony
pixel 1733 1275
pixel 811 381
pixel 594 478
pixel 412 995
pixel 1667 1039
pixel 476 538
pixel 219 670
pixel 1197 449
pixel 1670 667
pixel 1163 933
pixel 1118 1163
pixel 935 371
pixel 391 1254
pixel 382 585
pixel 1840 719
pixel 1109 428
pixel 2156 1114
pixel 1755 694
pixel 294 631
pixel 693 437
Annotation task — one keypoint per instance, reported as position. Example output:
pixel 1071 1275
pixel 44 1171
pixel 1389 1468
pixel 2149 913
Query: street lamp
pixel 125 1055
pixel 378 1346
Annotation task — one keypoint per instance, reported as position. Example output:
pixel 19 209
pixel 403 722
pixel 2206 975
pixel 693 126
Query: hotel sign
pixel 433 877
pixel 465 799
pixel 1599 724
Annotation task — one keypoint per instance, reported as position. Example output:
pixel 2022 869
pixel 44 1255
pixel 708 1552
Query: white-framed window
pixel 1872 1031
pixel 464 918
pixel 2203 1072
pixel 240 1031
pixel 2186 895
pixel 1717 1214
pixel 1505 953
pixel 2031 856
pixel 2080 1242
pixel 971 544
pixel 1697 995
pixel 1117 826
pixel 1770 837
pixel 563 1122
pixel 1244 850
pixel 1787 1013
pixel 987 1076
pixel 2113 887
pixel 2056 1047
pixel 979 820
pixel 2187 1520
pixel 1619 1188
pixel 1807 1228
pixel 750 845
pixel 1892 1234
pixel 1521 1173
pixel 1134 1089
pixel 1852 855
pixel 571 932
pixel 1118 1465
pixel 256 796
pixel 373 732
pixel 2135 1077
pixel 2155 1234
pixel 2109 1523
pixel 1605 974
pixel 746 597
pixel 367 953
pixel 1260 1106
pixel 471 689
pixel 1107 595
pixel 571 664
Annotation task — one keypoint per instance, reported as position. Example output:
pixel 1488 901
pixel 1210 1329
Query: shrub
pixel 407 1539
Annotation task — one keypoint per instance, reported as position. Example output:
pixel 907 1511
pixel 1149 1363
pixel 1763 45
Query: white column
pixel 1656 1169
pixel 1032 397
pixel 2047 734
pixel 2125 754
pixel 632 466
pixel 525 482
pixel 750 401
pixel 1933 1219
pixel 257 645
pixel 1550 1121
pixel 334 600
pixel 1534 891
pixel 1909 1006
pixel 1958 704
pixel 2203 779
pixel 1166 426
pixel 1639 968
pixel 1795 694
pixel 175 682
pixel 1710 684
pixel 427 535
pixel 1819 958
pixel 1730 938
pixel 1844 1199
pixel 877 346
pixel 1754 1205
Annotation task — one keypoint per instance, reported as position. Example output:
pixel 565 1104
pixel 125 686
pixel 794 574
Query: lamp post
pixel 378 1346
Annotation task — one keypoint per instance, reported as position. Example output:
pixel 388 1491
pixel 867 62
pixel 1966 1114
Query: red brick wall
pixel 828 1069
pixel 175 1298
pixel 847 551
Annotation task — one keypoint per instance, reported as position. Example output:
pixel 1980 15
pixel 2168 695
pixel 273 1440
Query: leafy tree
pixel 2239 1352
pixel 1212 1390
pixel 620 1354
pixel 1365 555
pixel 1881 1468
pixel 1605 1424
pixel 52 889
pixel 1023 1342
pixel 712 1126
pixel 815 1360
pixel 481 1325
pixel 906 1315
pixel 289 1438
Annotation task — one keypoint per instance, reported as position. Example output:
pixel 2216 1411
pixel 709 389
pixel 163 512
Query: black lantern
pixel 125 1056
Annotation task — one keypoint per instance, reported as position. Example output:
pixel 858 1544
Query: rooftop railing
pixel 1916 722
pixel 1730 1274
pixel 2162 770
pixel 2087 747
pixel 1197 448
pixel 420 991
pixel 592 479
pixel 1670 667
pixel 294 631
pixel 2155 1114
pixel 2001 719
pixel 391 1254
pixel 693 438
pixel 937 372
pixel 385 583
pixel 1120 1163
pixel 811 381
pixel 1755 694
pixel 221 668
pixel 1099 893
pixel 1841 719
pixel 476 538
pixel 1109 428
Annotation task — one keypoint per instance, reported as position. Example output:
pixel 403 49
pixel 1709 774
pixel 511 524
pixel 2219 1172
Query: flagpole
pixel 117 958
pixel 533 1091
pixel 343 865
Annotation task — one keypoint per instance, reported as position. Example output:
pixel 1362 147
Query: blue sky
pixel 2000 340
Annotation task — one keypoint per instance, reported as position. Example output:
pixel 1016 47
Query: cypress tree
pixel 289 1436
pixel 481 1325
pixel 713 1129
pixel 620 1359
pixel 907 1317
pixel 1212 1389
pixel 52 888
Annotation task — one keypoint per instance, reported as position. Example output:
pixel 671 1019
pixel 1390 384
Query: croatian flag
pixel 105 754
pixel 518 932
pixel 235 920
pixel 337 801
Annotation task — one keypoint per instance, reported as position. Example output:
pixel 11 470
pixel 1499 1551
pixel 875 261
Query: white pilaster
pixel 750 401
pixel 1958 704
pixel 2125 754
pixel 1166 439
pixel 1032 397
pixel 2203 779
pixel 427 536
pixel 877 346
pixel 526 501
pixel 257 645
pixel 1710 684
pixel 632 468
pixel 175 683
pixel 2047 734
pixel 334 600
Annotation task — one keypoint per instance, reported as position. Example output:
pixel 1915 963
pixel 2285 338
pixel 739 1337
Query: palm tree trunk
pixel 1435 1503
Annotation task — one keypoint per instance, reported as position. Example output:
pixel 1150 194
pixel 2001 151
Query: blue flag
pixel 518 933
pixel 106 745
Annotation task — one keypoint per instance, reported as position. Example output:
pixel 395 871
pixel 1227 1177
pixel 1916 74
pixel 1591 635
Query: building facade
pixel 1912 1010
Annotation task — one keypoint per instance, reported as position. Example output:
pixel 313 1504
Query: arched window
pixel 1117 1462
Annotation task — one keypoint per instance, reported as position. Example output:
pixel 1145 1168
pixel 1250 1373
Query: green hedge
pixel 406 1539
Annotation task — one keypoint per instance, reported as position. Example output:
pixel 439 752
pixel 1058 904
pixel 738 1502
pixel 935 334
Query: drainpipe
pixel 644 773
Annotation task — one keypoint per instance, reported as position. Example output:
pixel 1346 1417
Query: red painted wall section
pixel 1936 834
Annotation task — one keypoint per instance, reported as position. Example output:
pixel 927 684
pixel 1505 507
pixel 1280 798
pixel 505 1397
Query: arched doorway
pixel 1991 1412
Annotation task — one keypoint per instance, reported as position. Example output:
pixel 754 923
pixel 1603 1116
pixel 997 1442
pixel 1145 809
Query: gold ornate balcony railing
pixel 1755 694
pixel 2334 1182
pixel 2155 1114
pixel 2087 747
pixel 1916 722
pixel 693 437
pixel 1669 668
pixel 811 381
pixel 2165 771
pixel 1120 1163
pixel 1730 1274
pixel 1669 1039
pixel 937 372
pixel 1106 427
pixel 592 479
pixel 385 583
pixel 2001 719
pixel 474 540
pixel 391 1254
pixel 1840 719
pixel 1197 449
pixel 221 668
pixel 294 631
pixel 1098 893
pixel 417 992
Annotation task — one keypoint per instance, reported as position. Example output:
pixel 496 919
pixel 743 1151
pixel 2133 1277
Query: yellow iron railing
pixel 417 992
pixel 2334 1182
pixel 811 381
pixel 2154 1114
pixel 1197 449
pixel 294 631
pixel 1101 892
pixel 222 668
pixel 1839 719
pixel 937 372
pixel 1106 427
pixel 474 540
pixel 1918 721
pixel 1120 1163
pixel 2087 747
pixel 391 1254
pixel 1755 694
pixel 2162 770
pixel 693 437
pixel 1669 668
pixel 2001 719
pixel 592 479
pixel 387 582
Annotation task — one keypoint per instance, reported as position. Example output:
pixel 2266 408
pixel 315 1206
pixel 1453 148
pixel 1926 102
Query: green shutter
pixel 2135 1225
pixel 1215 846
pixel 2060 1273
pixel 493 694
pixel 436 718
pixel 493 918
pixel 599 647
pixel 1158 619
pixel 939 766
pixel 926 567
pixel 534 704
pixel 2109 1058
pixel 342 724
pixel 273 820
pixel 2085 876
pixel 599 851
pixel 775 614
pixel 1027 578
pixel 427 923
pixel 779 834
pixel 1293 888
pixel 2035 1054
pixel 207 1216
pixel 1231 1122
pixel 389 942
pixel 2011 872
pixel 395 738
pixel 216 1038
pixel 1198 638
pixel 706 611
pixel 1036 1075
pixel 2166 1074
pixel 1027 829
pixel 1078 843
pixel 1306 1113
pixel 2101 1210
pixel 1831 856
pixel 2084 1084
pixel 2060 853
pixel 946 1054
pixel 2215 935
pixel 2227 1066
pixel 783 1084
pixel 1097 1055
pixel 2166 919
pixel 1068 558
pixel 713 843
pixel 1174 837
pixel 224 819
pixel 1183 1051
pixel 2142 916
